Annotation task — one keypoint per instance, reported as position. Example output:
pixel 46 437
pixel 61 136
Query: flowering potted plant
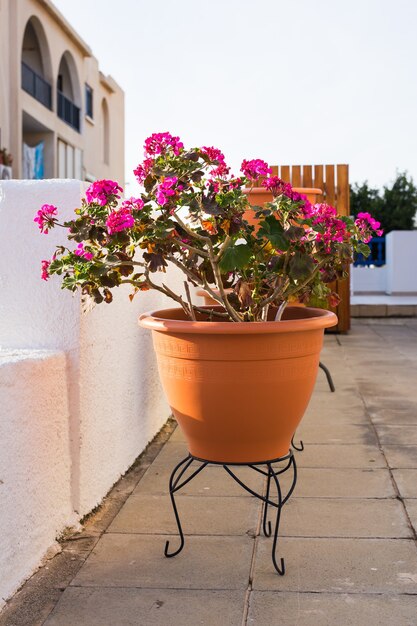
pixel 251 358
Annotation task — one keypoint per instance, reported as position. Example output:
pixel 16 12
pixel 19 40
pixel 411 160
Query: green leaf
pixel 300 266
pixel 364 249
pixel 272 230
pixel 235 257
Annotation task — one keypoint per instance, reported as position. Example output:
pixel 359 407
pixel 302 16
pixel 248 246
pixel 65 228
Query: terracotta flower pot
pixel 238 390
pixel 257 196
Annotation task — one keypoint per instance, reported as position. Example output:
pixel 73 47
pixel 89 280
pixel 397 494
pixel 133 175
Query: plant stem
pixel 190 304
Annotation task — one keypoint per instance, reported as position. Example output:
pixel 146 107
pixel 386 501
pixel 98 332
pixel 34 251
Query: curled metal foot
pixel 299 447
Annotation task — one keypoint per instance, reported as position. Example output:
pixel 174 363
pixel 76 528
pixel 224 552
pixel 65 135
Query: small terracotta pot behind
pixel 257 196
pixel 238 390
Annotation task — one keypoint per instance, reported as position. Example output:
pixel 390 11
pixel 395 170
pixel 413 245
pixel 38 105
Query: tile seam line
pixel 237 590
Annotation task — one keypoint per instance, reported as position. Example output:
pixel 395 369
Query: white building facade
pixel 60 117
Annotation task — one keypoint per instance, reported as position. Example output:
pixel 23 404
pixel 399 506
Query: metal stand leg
pixel 181 468
pixel 175 484
pixel 328 376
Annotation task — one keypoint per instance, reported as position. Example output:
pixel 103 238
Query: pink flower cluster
pixel 333 228
pixel 45 267
pixel 82 252
pixel 278 187
pixel 214 154
pixel 133 204
pixel 45 218
pixel 158 143
pixel 255 168
pixel 165 190
pixel 366 224
pixel 143 169
pixel 119 220
pixel 101 191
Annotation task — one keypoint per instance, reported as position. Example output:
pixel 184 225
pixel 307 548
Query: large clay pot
pixel 257 196
pixel 238 390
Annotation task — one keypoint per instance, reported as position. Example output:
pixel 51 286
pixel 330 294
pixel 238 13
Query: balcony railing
pixel 377 255
pixel 68 111
pixel 36 86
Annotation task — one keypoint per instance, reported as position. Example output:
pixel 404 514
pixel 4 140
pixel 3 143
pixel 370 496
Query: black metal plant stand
pixel 328 376
pixel 178 480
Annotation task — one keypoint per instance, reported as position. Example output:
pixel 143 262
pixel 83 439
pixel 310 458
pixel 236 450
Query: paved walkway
pixel 347 534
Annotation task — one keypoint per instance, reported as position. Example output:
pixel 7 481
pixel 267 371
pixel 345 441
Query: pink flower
pixel 82 252
pixel 45 268
pixel 278 187
pixel 161 142
pixel 164 190
pixel 143 169
pixel 119 220
pixel 220 171
pixel 133 204
pixel 45 218
pixel 331 228
pixel 255 168
pixel 214 154
pixel 101 191
pixel 366 224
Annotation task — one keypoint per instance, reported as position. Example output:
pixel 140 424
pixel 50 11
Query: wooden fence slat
pixel 343 189
pixel 296 176
pixel 318 177
pixel 286 173
pixel 307 176
pixel 329 188
pixel 274 169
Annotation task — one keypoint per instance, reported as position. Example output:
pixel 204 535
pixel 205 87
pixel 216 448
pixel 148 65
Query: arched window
pixel 105 131
pixel 36 63
pixel 69 92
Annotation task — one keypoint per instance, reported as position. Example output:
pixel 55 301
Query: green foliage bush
pixel 395 206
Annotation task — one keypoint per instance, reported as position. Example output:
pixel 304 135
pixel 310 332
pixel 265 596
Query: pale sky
pixel 288 81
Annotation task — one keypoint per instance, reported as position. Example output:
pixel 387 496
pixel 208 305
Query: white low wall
pixel 368 279
pixel 401 254
pixel 102 390
pixel 35 461
pixel 397 276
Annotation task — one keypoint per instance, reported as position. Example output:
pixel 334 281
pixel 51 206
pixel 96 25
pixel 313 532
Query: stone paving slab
pixel 335 433
pixel 402 457
pixel 212 481
pixel 315 517
pixel 147 607
pixel 339 566
pixel 341 456
pixel 150 514
pixel 130 560
pixel 344 483
pixel 331 609
pixel 397 435
pixel 393 416
pixel 406 480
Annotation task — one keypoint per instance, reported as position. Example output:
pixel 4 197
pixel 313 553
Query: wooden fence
pixel 334 181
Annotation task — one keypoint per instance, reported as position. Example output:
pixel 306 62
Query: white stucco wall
pixel 401 252
pixel 397 276
pixel 110 401
pixel 35 462
pixel 368 279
